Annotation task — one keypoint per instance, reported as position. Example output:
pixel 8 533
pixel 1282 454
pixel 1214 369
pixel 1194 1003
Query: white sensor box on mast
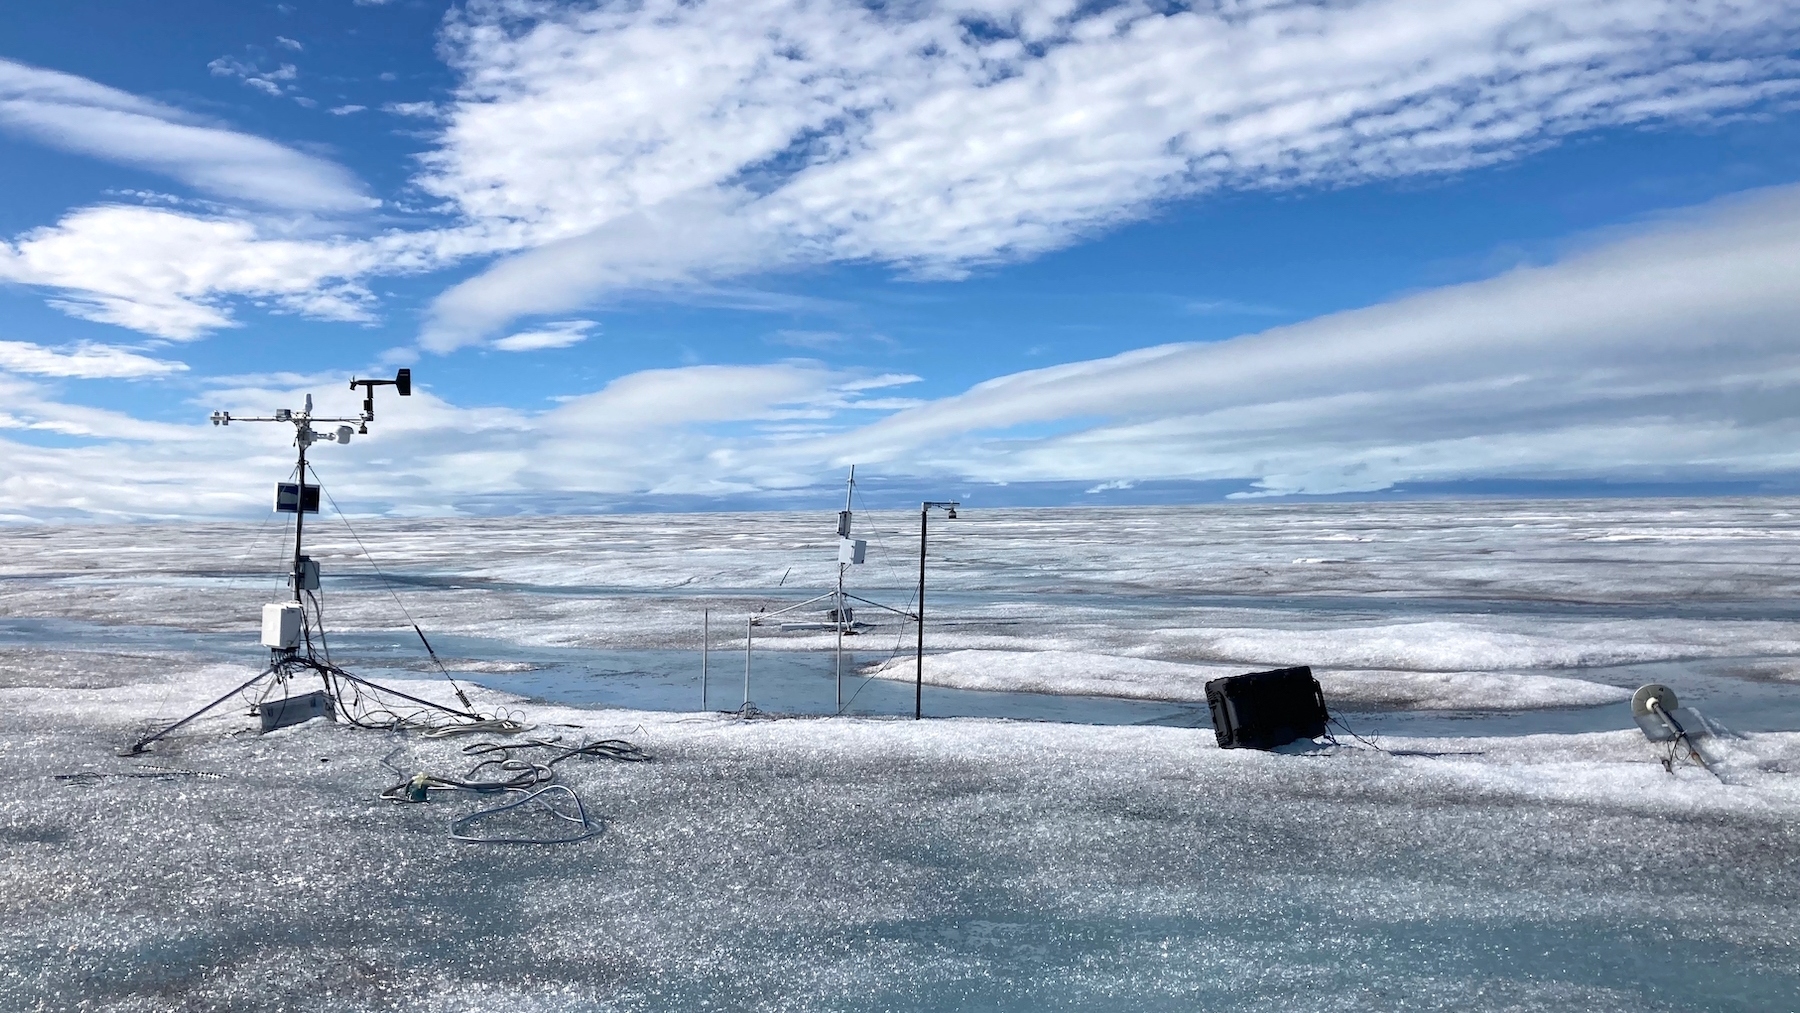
pixel 281 625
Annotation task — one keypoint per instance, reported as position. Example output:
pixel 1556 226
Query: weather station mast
pixel 289 627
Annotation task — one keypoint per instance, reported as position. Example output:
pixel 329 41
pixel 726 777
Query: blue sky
pixel 707 254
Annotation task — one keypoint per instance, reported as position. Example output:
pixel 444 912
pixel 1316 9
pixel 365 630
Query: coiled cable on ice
pixel 525 769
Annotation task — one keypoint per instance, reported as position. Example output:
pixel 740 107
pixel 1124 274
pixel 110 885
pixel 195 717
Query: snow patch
pixel 1076 673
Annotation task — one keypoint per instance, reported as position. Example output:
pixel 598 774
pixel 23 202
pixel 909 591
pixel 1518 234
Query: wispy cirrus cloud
pixel 938 137
pixel 271 82
pixel 697 431
pixel 557 334
pixel 88 118
pixel 27 406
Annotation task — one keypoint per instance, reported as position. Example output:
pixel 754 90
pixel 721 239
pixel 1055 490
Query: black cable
pixel 318 600
pixel 1332 739
pixel 349 691
pixel 503 768
pixel 1681 739
pixel 1352 733
pixel 899 644
pixel 588 828
pixel 520 772
pixel 88 778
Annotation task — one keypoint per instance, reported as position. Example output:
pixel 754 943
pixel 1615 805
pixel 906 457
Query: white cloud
pixel 672 147
pixel 169 274
pixel 818 341
pixel 79 115
pixel 346 110
pixel 422 110
pixel 1668 352
pixel 1231 308
pixel 269 82
pixel 29 408
pixel 287 43
pixel 807 130
pixel 86 360
pixel 653 249
pixel 560 334
pixel 648 431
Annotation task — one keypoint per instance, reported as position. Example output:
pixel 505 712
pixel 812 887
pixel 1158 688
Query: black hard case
pixel 1263 710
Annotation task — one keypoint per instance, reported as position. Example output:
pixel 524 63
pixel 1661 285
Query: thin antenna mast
pixel 837 614
pixel 842 616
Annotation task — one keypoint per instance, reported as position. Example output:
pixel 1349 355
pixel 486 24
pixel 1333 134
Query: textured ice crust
pixel 882 865
pixel 1526 589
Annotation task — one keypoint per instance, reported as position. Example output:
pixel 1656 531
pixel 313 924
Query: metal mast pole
pixel 843 533
pixel 840 638
pixel 949 508
pixel 705 651
pixel 299 513
pixel 919 652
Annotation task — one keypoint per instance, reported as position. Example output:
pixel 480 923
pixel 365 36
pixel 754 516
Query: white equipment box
pixel 281 625
pixel 852 551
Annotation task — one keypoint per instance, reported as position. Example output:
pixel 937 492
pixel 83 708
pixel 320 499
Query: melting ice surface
pixel 1101 854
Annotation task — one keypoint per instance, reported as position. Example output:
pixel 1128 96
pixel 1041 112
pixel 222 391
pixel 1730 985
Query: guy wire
pixel 900 636
pixel 460 695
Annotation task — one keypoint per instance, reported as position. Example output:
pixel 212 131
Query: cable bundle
pixel 523 769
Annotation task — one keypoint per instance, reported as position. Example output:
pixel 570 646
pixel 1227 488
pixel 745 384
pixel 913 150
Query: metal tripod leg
pixel 332 670
pixel 379 688
pixel 139 746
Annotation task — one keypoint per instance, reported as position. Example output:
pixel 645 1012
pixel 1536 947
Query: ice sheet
pixel 1614 592
pixel 864 864
pixel 1510 586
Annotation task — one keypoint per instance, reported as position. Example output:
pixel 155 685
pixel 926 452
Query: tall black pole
pixel 919 652
pixel 299 510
